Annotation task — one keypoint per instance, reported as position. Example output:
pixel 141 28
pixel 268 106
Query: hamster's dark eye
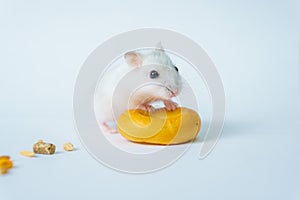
pixel 176 68
pixel 154 74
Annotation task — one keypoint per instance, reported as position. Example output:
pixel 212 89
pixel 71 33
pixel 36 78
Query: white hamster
pixel 143 79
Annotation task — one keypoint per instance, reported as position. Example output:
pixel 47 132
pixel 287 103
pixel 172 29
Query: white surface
pixel 255 46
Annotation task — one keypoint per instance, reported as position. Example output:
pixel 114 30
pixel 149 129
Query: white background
pixel 255 46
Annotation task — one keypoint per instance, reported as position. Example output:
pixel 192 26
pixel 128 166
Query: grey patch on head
pixel 154 56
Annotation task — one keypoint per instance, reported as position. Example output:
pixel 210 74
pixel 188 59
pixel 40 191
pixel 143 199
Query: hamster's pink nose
pixel 174 93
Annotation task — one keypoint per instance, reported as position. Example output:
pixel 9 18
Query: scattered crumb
pixel 5 164
pixel 43 148
pixel 27 153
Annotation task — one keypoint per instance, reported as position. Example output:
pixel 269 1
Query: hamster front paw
pixel 146 107
pixel 170 105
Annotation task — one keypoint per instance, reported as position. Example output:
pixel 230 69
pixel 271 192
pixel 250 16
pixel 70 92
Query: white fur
pixel 113 96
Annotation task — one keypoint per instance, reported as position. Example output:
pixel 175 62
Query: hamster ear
pixel 133 59
pixel 159 47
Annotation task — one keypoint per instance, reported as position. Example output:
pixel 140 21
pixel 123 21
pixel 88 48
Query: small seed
pixel 27 153
pixel 68 146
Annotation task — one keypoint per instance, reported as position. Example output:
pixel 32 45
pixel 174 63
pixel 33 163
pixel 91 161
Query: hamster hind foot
pixel 106 128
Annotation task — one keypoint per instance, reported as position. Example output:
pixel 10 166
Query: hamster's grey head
pixel 158 71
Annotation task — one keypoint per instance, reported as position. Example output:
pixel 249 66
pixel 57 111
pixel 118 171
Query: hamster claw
pixel 170 105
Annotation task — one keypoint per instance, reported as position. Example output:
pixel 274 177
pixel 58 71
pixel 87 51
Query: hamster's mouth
pixel 172 93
